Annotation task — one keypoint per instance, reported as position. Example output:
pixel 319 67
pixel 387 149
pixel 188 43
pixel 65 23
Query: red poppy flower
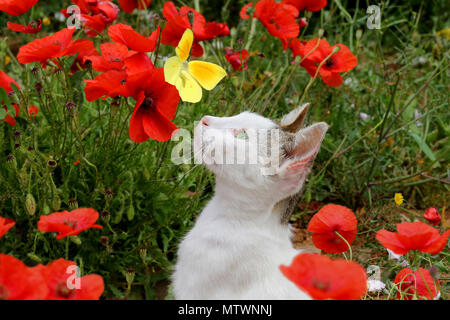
pixel 278 18
pixel 33 27
pixel 313 55
pixel 113 83
pixel 112 58
pixel 129 5
pixel 178 22
pixel 46 48
pixel 84 48
pixel 17 282
pixel 121 33
pixel 60 278
pixel 69 223
pixel 307 5
pixel 333 218
pixel 237 59
pixel 156 104
pixel 16 8
pixel 33 111
pixel 419 283
pixel 5 83
pixel 5 225
pixel 432 216
pixel 95 15
pixel 413 236
pixel 323 278
pixel 109 84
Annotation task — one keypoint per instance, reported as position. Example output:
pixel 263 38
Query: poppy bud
pixel 75 240
pixel 191 17
pixel 73 203
pixel 129 276
pixel 30 149
pixel 56 203
pixel 38 87
pixel 16 146
pixel 52 163
pixel 320 33
pixel 432 216
pixel 45 209
pixel 130 212
pixel 104 240
pixel 17 134
pixel 23 176
pixel 358 34
pixel 105 215
pixel 108 194
pixel 30 204
pixel 70 106
pixel 34 257
pixel 143 253
pixel 35 70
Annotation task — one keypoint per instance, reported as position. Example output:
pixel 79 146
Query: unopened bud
pixel 34 257
pixel 105 215
pixel 30 204
pixel 52 163
pixel 130 212
pixel 321 32
pixel 73 203
pixel 129 276
pixel 56 203
pixel 358 34
pixel 75 240
pixel 143 253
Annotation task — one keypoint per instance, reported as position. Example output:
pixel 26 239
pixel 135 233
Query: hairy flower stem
pixel 348 245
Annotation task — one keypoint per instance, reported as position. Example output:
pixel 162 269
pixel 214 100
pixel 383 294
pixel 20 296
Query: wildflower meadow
pixel 99 101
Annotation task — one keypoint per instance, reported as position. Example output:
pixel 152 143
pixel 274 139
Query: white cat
pixel 242 236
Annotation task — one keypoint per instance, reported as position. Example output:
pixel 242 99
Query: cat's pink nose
pixel 205 121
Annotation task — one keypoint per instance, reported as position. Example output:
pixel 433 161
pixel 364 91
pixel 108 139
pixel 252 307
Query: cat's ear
pixel 293 121
pixel 304 149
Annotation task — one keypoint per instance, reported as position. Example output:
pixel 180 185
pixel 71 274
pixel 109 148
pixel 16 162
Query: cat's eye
pixel 241 134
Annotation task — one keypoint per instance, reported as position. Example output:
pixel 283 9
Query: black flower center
pixel 62 290
pixel 148 103
pixel 329 62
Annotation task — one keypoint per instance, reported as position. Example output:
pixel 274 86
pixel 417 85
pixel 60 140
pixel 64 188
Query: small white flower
pixel 375 285
pixel 422 60
pixel 348 81
pixel 417 114
pixel 363 116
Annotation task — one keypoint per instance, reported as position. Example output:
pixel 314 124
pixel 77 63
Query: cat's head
pixel 258 155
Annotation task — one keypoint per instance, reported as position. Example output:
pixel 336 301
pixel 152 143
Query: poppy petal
pixel 158 127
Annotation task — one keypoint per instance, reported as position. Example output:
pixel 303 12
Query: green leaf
pixel 423 146
pixel 2 113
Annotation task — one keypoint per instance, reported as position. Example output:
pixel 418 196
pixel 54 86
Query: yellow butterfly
pixel 190 77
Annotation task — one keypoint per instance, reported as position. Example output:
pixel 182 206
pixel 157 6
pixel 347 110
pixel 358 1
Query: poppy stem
pixel 67 248
pixel 348 245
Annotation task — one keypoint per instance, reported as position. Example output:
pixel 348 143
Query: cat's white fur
pixel 237 243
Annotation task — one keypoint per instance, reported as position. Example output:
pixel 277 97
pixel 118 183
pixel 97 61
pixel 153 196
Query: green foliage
pixel 152 202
